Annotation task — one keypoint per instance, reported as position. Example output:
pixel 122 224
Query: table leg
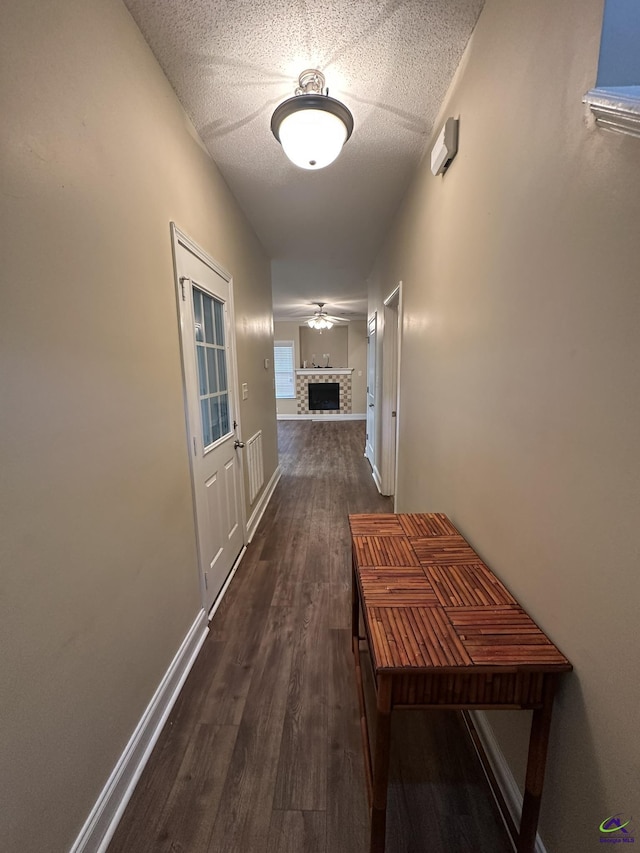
pixel 536 763
pixel 355 611
pixel 381 765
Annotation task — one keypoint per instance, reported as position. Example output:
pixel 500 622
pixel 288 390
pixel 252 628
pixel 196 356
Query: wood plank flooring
pixel 262 751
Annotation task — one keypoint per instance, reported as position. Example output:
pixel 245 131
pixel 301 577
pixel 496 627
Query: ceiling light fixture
pixel 319 323
pixel 320 319
pixel 311 126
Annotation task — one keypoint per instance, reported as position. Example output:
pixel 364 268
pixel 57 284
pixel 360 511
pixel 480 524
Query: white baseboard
pixel 502 771
pixel 226 584
pixel 354 417
pixel 99 827
pixel 377 479
pixel 265 497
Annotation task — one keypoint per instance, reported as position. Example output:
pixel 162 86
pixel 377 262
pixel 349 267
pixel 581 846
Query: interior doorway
pixel 207 336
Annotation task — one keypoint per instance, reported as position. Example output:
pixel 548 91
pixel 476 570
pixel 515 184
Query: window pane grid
pixel 211 364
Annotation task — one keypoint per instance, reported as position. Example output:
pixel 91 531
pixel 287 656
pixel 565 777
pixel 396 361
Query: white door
pixel 370 446
pixel 204 296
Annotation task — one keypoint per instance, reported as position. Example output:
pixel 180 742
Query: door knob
pixel 237 443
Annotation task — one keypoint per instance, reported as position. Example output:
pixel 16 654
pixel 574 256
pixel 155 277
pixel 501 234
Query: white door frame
pixel 391 365
pixel 179 237
pixel 370 450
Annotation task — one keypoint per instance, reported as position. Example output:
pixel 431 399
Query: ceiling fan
pixel 321 320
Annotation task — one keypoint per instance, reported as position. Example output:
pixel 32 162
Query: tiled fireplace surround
pixel 340 375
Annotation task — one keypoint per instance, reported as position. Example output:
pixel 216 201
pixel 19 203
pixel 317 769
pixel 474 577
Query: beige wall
pixel 355 357
pixel 314 344
pixel 99 576
pixel 358 360
pixel 520 381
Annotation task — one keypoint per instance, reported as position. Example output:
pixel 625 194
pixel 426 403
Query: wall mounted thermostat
pixel 445 148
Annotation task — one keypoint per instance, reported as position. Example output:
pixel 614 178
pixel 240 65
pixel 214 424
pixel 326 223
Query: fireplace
pixel 324 396
pixel 333 405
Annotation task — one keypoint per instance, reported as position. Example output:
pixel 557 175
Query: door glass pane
pixel 197 314
pixel 208 319
pixel 206 423
pixel 222 370
pixel 202 371
pixel 219 315
pixel 213 373
pixel 224 413
pixel 216 427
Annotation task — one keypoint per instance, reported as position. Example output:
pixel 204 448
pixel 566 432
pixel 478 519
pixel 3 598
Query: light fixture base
pixel 311 82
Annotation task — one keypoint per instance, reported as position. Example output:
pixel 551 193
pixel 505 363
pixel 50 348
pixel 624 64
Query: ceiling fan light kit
pixel 319 323
pixel 321 320
pixel 311 126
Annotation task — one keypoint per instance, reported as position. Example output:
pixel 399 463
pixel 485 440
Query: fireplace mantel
pixel 336 371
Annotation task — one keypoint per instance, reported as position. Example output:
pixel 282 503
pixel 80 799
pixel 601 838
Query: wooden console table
pixel 443 632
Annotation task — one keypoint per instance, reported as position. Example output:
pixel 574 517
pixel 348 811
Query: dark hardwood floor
pixel 262 751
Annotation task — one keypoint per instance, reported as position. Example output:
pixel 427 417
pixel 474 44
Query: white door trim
pixel 391 365
pixel 178 237
pixel 372 390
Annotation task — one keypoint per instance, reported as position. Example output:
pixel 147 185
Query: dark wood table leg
pixel 355 611
pixel 536 763
pixel 381 765
pixel 364 729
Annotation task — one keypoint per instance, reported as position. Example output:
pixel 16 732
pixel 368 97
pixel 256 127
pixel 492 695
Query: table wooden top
pixel 430 603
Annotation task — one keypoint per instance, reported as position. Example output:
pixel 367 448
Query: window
pixel 619 63
pixel 615 101
pixel 283 367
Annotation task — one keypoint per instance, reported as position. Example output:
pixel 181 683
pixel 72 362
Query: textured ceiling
pixel 391 63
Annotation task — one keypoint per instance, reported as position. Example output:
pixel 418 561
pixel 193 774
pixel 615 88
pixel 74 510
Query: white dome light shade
pixel 312 138
pixel 311 126
pixel 319 323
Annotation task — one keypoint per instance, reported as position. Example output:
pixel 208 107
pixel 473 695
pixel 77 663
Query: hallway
pixel 262 751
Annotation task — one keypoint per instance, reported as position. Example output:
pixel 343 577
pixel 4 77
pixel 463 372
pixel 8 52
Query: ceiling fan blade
pixel 321 314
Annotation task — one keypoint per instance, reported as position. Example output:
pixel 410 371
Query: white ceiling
pixel 391 63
